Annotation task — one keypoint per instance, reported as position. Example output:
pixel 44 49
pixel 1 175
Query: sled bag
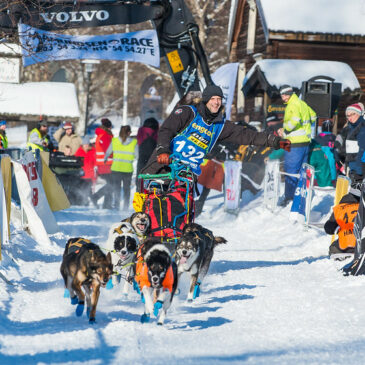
pixel 167 212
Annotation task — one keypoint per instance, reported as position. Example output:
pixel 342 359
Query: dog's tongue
pixel 141 227
pixel 183 260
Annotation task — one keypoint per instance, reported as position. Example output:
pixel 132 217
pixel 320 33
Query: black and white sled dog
pixel 140 222
pixel 156 275
pixel 123 244
pixel 194 252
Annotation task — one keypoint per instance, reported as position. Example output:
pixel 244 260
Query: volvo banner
pixel 41 46
pixel 48 16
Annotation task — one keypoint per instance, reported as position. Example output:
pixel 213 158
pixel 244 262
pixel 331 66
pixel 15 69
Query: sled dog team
pixel 144 262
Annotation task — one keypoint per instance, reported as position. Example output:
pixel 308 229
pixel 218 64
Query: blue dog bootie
pixel 66 293
pixel 80 309
pixel 109 284
pixel 74 300
pixel 196 289
pixel 136 287
pixel 157 306
pixel 145 318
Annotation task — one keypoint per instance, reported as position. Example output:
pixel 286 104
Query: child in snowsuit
pixel 342 222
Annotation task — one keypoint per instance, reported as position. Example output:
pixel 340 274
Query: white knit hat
pixel 357 108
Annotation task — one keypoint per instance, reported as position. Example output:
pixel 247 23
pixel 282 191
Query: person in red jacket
pixel 104 137
pixel 88 153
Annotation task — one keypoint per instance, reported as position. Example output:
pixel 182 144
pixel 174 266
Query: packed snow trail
pixel 272 296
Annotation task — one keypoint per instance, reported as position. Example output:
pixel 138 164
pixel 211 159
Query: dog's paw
pixel 74 300
pixel 92 320
pixel 145 318
pixel 88 309
pixel 66 293
pixel 196 290
pixel 109 284
pixel 157 306
pixel 80 309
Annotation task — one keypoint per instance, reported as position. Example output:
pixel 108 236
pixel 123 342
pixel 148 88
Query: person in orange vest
pixel 341 222
pixel 104 138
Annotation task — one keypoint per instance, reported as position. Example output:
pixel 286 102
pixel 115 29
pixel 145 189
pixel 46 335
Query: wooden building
pixel 296 30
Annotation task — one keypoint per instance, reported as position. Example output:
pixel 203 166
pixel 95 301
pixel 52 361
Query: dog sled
pixel 169 201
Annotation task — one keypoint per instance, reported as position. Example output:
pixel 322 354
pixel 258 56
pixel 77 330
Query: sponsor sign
pixel 302 202
pixel 232 181
pixel 32 195
pixel 271 184
pixel 64 16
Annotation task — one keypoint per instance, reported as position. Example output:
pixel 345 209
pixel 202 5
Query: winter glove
pixel 285 144
pixel 163 159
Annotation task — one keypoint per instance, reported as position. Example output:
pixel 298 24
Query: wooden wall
pixel 350 53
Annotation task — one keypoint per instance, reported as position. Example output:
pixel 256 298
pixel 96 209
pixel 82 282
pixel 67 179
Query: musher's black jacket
pixel 180 118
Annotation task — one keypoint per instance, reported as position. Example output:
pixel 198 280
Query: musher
pixel 191 131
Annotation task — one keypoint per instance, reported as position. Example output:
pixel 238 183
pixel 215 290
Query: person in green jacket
pixel 3 137
pixel 123 148
pixel 298 120
pixel 319 160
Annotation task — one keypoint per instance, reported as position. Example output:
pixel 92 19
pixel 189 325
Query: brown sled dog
pixel 85 266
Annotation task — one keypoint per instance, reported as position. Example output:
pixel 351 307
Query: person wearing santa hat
pixel 351 141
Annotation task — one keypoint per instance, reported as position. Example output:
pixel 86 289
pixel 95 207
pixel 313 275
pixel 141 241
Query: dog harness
pixel 126 229
pixel 142 275
pixel 196 140
pixel 74 247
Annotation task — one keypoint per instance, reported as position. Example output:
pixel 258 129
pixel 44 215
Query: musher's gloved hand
pixel 163 159
pixel 285 144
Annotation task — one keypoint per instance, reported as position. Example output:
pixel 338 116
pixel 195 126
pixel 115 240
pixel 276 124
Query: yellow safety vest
pixel 298 119
pixel 36 146
pixel 123 155
pixel 4 141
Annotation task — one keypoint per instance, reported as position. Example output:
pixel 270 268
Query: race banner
pixel 271 184
pixel 232 183
pixel 32 196
pixel 225 77
pixel 302 202
pixel 41 46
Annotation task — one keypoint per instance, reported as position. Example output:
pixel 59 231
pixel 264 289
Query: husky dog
pixel 141 223
pixel 123 244
pixel 156 275
pixel 85 266
pixel 194 252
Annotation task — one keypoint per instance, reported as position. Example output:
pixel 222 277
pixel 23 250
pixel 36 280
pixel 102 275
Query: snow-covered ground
pixel 272 296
